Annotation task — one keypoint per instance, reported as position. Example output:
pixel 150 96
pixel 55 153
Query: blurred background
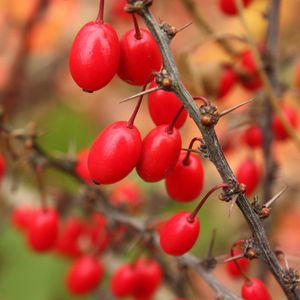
pixel 36 86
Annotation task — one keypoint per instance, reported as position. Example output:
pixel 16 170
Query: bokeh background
pixel 36 86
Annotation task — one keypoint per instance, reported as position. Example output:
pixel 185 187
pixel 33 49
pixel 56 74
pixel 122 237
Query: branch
pixel 216 154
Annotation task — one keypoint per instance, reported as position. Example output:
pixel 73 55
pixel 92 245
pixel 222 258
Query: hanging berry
pixel 95 54
pixel 139 57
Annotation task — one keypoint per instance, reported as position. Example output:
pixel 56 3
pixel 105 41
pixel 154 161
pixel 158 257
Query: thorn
pixel 227 111
pixel 231 206
pixel 277 196
pixel 212 243
pixel 141 94
pixel 233 258
pixel 183 27
pixel 281 253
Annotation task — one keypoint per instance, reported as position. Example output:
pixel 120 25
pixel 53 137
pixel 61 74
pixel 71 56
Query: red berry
pixel 124 281
pixel 279 130
pixel 253 136
pixel 232 269
pixel 114 153
pixel 81 167
pixel 251 79
pixel 163 106
pixel 185 182
pixel 160 152
pixel 255 290
pixel 2 165
pixel 149 275
pixel 249 173
pixel 127 194
pixel 229 7
pixel 22 216
pixel 84 275
pixel 227 81
pixel 67 243
pixel 179 234
pixel 94 56
pixel 139 58
pixel 43 230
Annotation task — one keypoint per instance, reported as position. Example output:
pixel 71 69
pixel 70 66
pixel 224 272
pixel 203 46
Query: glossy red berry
pixel 43 230
pixel 252 136
pixel 84 275
pixel 179 234
pixel 279 130
pixel 227 81
pixel 81 167
pixel 185 182
pixel 249 173
pixel 22 216
pixel 2 165
pixel 163 106
pixel 254 289
pixel 160 152
pixel 229 7
pixel 114 153
pixel 124 281
pixel 127 194
pixel 150 276
pixel 233 270
pixel 139 58
pixel 94 56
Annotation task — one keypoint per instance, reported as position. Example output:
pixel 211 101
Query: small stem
pixel 132 118
pixel 186 160
pixel 236 262
pixel 138 34
pixel 205 100
pixel 100 12
pixel 169 129
pixel 203 200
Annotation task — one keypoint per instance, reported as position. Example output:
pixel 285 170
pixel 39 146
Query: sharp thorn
pixel 227 111
pixel 141 94
pixel 277 196
pixel 233 258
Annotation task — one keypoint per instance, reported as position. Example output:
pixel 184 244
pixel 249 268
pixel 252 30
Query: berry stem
pixel 238 243
pixel 100 12
pixel 138 34
pixel 205 100
pixel 169 129
pixel 132 118
pixel 192 216
pixel 186 160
